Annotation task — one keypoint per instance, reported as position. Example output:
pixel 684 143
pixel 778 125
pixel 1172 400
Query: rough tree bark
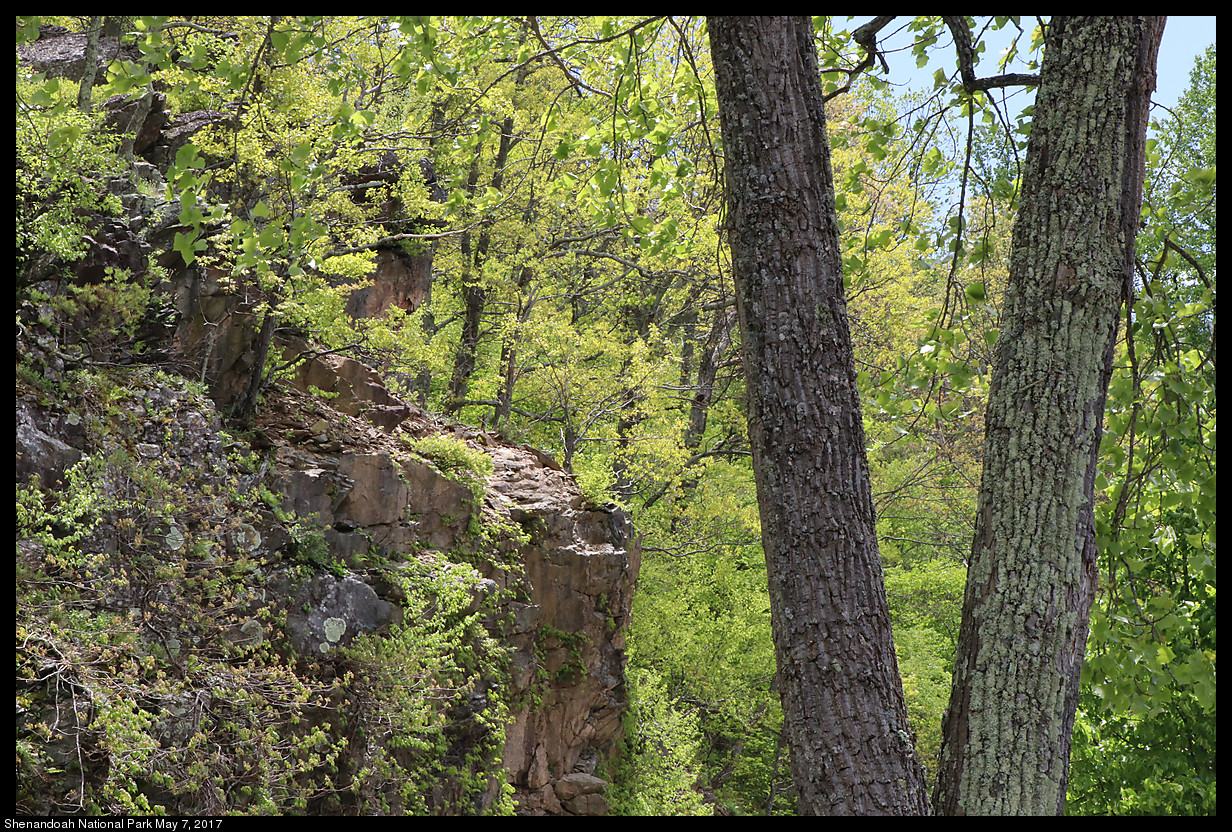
pixel 1032 576
pixel 851 748
pixel 89 64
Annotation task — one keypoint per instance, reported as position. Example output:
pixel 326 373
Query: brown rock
pixel 578 783
pixel 397 280
pixel 592 805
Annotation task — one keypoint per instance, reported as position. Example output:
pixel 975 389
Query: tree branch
pixel 966 61
pixel 554 52
pixel 866 37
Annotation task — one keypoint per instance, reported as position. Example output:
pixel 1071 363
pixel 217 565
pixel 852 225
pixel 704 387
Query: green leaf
pixel 187 157
pixel 186 244
pixel 880 239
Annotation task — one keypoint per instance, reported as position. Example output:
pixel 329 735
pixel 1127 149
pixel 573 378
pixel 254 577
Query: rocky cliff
pixel 348 605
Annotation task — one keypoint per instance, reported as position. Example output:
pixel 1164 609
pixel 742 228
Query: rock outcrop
pixel 570 581
pixel 563 570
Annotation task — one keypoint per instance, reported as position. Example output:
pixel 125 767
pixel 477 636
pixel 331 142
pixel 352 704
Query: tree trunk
pixel 475 288
pixel 851 748
pixel 246 407
pixel 90 65
pixel 509 349
pixel 1033 575
pixel 717 342
pixel 473 296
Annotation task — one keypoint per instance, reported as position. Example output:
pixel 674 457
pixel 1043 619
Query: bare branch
pixel 866 37
pixel 966 61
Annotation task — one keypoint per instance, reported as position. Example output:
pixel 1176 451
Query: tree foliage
pixel 565 173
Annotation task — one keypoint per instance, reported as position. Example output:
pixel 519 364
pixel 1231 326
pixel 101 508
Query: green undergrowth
pixel 658 773
pixel 155 674
pixel 457 460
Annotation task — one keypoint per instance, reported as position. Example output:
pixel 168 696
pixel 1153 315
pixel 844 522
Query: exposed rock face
pixel 581 565
pixel 39 453
pixel 397 280
pixel 214 333
pixel 112 245
pixel 215 330
pixel 568 576
pixel 358 389
pixel 61 54
pixel 573 580
pixel 161 148
pixel 339 609
pixel 146 120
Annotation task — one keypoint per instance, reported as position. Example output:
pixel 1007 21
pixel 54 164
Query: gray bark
pixel 90 65
pixel 851 747
pixel 1033 575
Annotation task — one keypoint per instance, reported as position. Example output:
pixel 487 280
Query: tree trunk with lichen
pixel 846 721
pixel 1033 575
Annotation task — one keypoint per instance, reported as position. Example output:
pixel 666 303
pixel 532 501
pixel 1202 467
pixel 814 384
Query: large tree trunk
pixel 1033 575
pixel 851 748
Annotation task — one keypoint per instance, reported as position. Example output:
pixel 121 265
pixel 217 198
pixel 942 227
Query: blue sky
pixel 1184 39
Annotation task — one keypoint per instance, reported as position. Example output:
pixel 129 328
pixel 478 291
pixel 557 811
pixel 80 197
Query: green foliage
pixel 1145 741
pixel 1162 764
pixel 926 667
pixel 454 456
pixel 431 689
pixel 106 315
pixel 308 547
pixel 701 635
pixel 925 605
pixel 59 520
pixel 570 671
pixel 663 743
pixel 131 593
pixel 64 159
pixel 580 292
pixel 139 588
pixel 459 461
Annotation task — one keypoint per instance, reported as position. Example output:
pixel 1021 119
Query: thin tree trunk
pixel 427 322
pixel 774 772
pixel 474 290
pixel 851 747
pixel 1033 575
pixel 90 65
pixel 246 407
pixel 509 350
pixel 717 342
pixel 473 299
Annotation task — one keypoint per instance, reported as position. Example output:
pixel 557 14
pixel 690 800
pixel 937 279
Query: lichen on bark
pixel 1033 575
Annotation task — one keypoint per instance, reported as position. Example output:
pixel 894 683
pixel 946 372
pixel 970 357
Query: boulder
pixel 337 610
pixel 40 454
